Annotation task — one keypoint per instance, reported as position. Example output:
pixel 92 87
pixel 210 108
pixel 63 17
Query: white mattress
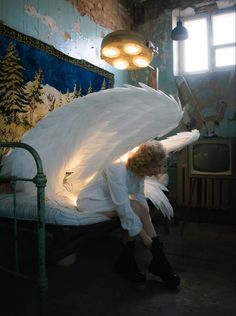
pixel 54 214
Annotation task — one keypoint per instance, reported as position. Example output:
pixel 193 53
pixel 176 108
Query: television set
pixel 213 157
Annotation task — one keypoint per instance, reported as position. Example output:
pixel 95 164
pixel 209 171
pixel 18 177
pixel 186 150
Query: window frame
pixel 179 50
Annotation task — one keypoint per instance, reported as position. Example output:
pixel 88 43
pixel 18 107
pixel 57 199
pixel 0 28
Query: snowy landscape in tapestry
pixel 34 82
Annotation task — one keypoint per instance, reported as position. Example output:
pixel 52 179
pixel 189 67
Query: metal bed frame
pixel 40 182
pixel 63 240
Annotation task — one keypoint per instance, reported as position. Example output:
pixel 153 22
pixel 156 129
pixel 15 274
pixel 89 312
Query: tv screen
pixel 210 157
pixel 213 157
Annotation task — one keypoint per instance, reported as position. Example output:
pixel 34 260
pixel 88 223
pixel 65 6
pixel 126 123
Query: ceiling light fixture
pixel 140 61
pixel 120 63
pixel 125 49
pixel 111 52
pixel 179 33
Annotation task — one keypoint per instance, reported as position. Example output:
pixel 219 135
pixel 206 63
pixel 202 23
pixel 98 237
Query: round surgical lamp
pixel 125 49
pixel 179 33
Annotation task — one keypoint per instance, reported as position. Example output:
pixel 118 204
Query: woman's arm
pixel 115 177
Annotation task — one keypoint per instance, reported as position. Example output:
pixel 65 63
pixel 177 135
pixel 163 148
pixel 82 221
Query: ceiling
pixel 164 4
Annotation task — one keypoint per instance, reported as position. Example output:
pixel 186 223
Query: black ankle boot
pixel 160 266
pixel 127 265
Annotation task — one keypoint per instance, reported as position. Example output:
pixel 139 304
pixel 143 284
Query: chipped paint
pixel 47 20
pixel 77 26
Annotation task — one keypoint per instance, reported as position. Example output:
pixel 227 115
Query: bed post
pixel 40 181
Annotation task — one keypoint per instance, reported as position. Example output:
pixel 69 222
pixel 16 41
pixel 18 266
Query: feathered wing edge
pixel 180 140
pixel 154 192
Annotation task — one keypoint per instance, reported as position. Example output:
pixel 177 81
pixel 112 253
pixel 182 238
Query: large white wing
pixel 81 138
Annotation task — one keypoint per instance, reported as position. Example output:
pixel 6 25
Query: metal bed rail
pixel 40 182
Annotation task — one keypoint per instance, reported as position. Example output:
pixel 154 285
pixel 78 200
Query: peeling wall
pixel 108 13
pixel 60 24
pixel 77 27
pixel 157 31
pixel 216 101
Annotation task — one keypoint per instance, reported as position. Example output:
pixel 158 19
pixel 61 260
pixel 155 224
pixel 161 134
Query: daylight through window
pixel 210 46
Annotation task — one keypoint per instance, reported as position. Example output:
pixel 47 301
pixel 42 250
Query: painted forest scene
pixel 34 82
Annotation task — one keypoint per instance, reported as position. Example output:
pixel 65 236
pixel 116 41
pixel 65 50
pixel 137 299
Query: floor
pixel 204 255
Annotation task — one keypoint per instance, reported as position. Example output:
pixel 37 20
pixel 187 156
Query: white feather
pixel 180 140
pixel 154 191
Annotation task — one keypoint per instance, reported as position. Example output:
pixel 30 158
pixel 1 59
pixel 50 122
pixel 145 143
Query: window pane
pixel 195 47
pixel 223 28
pixel 225 56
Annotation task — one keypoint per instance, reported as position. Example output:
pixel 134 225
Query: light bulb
pixel 120 64
pixel 111 51
pixel 141 61
pixel 132 49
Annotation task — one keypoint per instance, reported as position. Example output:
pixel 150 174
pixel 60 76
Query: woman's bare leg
pixel 148 232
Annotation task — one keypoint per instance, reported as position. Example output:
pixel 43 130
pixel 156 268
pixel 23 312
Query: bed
pixel 59 227
pixel 48 79
pixel 59 79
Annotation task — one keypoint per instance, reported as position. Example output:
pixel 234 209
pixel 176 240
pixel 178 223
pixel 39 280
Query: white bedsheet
pixel 54 214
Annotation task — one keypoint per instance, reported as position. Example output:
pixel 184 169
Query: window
pixel 210 46
pixel 223 33
pixel 196 47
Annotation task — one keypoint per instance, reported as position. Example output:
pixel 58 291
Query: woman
pixel 120 192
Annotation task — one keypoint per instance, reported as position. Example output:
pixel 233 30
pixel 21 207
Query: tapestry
pixel 35 79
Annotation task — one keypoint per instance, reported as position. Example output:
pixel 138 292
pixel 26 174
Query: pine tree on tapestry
pixel 103 87
pixel 80 91
pixel 90 88
pixel 60 102
pixel 35 94
pixel 13 96
pixel 75 94
pixel 67 95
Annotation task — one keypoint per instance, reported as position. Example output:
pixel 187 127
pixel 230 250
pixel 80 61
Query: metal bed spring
pixel 40 182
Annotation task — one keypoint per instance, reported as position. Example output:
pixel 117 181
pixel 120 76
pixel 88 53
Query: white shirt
pixel 118 185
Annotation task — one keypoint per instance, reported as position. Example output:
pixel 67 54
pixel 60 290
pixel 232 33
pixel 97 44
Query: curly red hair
pixel 149 153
